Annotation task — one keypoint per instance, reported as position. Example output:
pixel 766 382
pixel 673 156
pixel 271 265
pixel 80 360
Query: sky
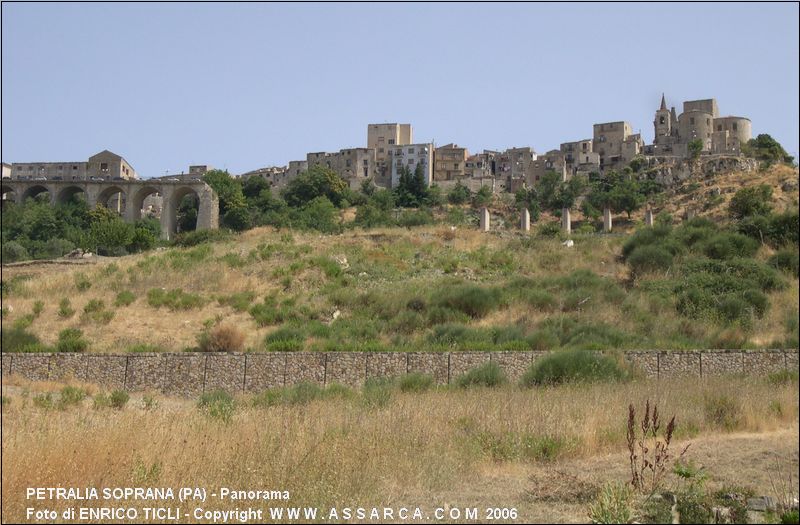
pixel 245 86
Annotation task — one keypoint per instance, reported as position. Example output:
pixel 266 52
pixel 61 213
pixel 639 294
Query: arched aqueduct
pixel 132 192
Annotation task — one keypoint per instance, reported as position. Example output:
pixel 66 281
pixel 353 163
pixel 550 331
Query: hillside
pixel 388 288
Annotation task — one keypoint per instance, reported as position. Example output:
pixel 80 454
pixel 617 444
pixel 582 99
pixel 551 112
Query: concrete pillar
pixel 525 220
pixel 607 220
pixel 484 219
pixel 208 210
pixel 690 213
pixel 648 217
pixel 566 221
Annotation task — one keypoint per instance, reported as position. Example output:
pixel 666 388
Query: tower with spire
pixel 663 123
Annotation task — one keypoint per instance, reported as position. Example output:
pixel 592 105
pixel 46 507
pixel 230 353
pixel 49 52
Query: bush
pixel 118 399
pixel 613 505
pixel 299 394
pixel 475 301
pixel 82 283
pixel 71 340
pixel 415 382
pixel 222 338
pixel 65 310
pixel 489 375
pixel 728 245
pixel 124 298
pixel 753 200
pixel 13 252
pixel 217 405
pixel 286 338
pixel 38 308
pixel 239 301
pixel 575 366
pixel 193 238
pixel 549 229
pixel 70 396
pixel 94 305
pixel 17 339
pixel 649 258
pixel 173 299
pixel 787 260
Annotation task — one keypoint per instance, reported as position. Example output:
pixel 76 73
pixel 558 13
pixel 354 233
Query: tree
pixel 320 214
pixel 253 186
pixel 318 181
pixel 766 148
pixel 747 202
pixel 411 190
pixel 695 148
pixel 482 197
pixel 459 194
pixel 110 236
pixel 528 198
pixel 228 189
pixel 626 197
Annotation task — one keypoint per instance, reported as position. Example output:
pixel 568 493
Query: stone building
pixel 616 144
pixel 275 175
pixel 354 165
pixel 381 137
pixel 553 160
pixel 410 156
pixel 700 120
pixel 480 165
pixel 6 170
pixel 579 157
pixel 449 163
pixel 514 166
pixel 104 165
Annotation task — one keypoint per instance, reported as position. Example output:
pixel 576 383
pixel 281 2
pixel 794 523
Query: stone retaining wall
pixel 190 374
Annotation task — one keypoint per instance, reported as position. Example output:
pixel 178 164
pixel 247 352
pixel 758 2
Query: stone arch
pixel 133 209
pixel 10 193
pixel 175 201
pixel 34 190
pixel 114 198
pixel 65 194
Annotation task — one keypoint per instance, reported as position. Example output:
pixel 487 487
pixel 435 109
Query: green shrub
pixel 285 339
pixel 94 305
pixel 43 400
pixel 118 399
pixel 193 238
pixel 175 299
pixel 475 301
pixel 575 366
pixel 124 298
pixel 299 394
pixel 239 301
pixel 787 260
pixel 753 200
pixel 217 404
pixel 65 309
pixel 100 401
pixel 24 322
pixel 790 517
pixel 415 382
pixel 71 395
pixel 17 339
pixel 38 308
pixel 783 377
pixel 549 229
pixel 613 505
pixel 14 251
pixel 488 375
pixel 650 258
pixel 728 245
pixel 82 283
pixel 71 340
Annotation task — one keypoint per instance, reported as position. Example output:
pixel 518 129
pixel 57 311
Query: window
pixel 411 150
pixel 719 128
pixel 734 126
pixel 455 165
pixel 103 166
pixel 380 150
pixel 691 121
pixel 661 120
pixel 708 122
pixel 391 141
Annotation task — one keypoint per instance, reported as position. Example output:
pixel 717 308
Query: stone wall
pixel 190 374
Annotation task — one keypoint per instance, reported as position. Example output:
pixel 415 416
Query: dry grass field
pixel 543 451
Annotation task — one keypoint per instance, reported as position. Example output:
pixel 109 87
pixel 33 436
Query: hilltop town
pixel 698 130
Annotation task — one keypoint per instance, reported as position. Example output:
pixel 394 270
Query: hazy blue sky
pixel 249 85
